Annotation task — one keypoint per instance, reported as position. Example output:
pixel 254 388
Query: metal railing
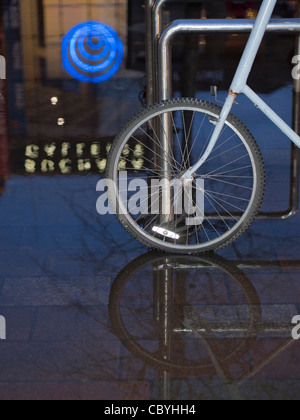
pixel 159 69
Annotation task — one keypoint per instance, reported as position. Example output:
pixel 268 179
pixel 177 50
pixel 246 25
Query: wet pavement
pixel 90 314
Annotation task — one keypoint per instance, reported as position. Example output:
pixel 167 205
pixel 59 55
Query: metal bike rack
pixel 159 69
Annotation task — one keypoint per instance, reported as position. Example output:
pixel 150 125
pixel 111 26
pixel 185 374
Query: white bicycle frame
pixel 239 85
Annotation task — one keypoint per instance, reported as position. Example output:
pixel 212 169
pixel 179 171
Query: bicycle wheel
pixel 157 302
pixel 145 167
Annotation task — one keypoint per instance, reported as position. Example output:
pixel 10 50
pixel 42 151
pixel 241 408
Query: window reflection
pixel 69 157
pixel 58 124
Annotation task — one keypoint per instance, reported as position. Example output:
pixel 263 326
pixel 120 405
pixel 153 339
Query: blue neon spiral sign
pixel 92 52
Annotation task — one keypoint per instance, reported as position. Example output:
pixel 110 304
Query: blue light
pixel 92 52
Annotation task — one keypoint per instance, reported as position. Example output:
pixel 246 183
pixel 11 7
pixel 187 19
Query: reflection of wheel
pixel 173 312
pixel 206 213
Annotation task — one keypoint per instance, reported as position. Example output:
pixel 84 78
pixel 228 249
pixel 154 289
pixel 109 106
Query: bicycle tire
pixel 211 111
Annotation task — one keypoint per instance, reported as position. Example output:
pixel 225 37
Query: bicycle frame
pixel 239 85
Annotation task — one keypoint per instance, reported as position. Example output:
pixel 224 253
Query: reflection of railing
pixel 194 316
pixel 159 70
